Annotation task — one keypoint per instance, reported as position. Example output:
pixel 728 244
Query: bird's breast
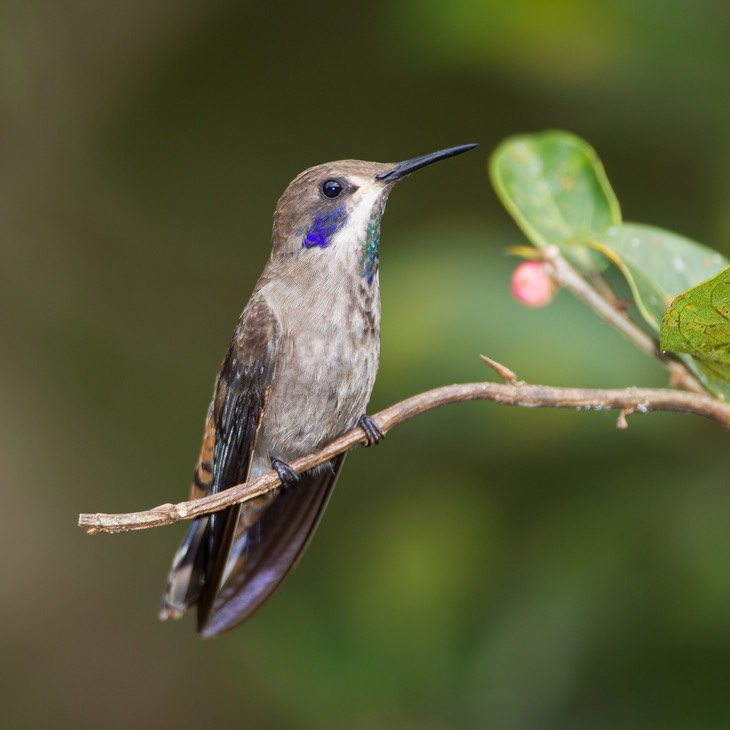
pixel 325 370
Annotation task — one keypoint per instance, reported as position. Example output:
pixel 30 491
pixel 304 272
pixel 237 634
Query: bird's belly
pixel 321 387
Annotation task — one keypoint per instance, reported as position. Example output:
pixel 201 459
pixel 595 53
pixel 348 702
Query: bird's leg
pixel 373 434
pixel 288 476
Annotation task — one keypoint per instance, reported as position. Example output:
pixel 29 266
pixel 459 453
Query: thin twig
pixel 502 370
pixel 567 277
pixel 629 400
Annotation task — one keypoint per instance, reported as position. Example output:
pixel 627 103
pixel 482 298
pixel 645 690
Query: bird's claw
pixel 288 476
pixel 373 433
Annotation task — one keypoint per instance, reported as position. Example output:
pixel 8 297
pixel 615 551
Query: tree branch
pixel 512 392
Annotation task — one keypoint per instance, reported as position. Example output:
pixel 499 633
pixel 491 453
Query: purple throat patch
pixel 326 223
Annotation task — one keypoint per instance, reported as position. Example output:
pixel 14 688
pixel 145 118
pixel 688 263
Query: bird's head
pixel 334 209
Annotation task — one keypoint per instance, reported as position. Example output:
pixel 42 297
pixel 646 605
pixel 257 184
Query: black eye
pixel 332 188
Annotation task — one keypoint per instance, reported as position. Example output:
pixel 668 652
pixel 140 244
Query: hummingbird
pixel 298 373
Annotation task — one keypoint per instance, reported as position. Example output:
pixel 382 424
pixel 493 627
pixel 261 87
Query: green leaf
pixel 658 265
pixel 554 186
pixel 698 323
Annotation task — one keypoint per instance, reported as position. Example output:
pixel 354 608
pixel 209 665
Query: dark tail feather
pixel 252 563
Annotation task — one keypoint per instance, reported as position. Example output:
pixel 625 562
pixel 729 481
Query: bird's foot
pixel 288 476
pixel 373 434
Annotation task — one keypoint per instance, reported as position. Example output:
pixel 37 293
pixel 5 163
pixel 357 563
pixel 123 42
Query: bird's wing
pixel 233 419
pixel 229 563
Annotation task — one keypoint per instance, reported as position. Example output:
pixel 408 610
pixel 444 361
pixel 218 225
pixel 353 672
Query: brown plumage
pixel 299 372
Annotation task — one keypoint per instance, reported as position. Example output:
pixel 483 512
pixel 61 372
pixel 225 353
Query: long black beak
pixel 407 166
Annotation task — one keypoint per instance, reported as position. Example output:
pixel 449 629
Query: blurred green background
pixel 483 568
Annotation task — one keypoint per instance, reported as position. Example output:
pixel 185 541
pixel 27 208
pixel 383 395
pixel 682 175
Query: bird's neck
pixel 326 287
pixel 370 252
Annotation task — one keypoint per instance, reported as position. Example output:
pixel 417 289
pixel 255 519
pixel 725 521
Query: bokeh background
pixel 485 567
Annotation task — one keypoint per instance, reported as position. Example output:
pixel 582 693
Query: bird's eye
pixel 332 189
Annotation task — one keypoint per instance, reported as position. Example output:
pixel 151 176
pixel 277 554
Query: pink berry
pixel 531 286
